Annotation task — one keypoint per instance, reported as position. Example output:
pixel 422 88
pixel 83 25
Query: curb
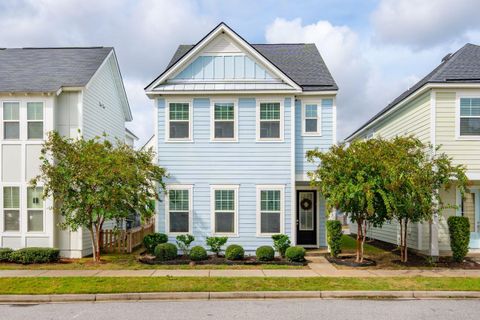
pixel 238 295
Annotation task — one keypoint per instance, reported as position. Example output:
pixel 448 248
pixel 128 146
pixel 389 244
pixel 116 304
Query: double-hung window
pixel 179 121
pixel 469 117
pixel 224 126
pixel 11 120
pixel 225 209
pixel 35 209
pixel 179 209
pixel 270 121
pixel 269 210
pixel 311 125
pixel 35 120
pixel 11 209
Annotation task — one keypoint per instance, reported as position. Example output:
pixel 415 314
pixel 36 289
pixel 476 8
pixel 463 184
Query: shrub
pixel 281 242
pixel 35 255
pixel 459 228
pixel 295 254
pixel 216 243
pixel 265 253
pixel 165 251
pixel 198 253
pixel 184 241
pixel 5 254
pixel 234 252
pixel 334 237
pixel 151 241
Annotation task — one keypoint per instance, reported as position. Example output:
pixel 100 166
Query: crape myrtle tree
pixel 351 180
pixel 95 180
pixel 415 174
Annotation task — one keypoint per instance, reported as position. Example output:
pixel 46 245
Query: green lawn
pixel 114 261
pixel 170 284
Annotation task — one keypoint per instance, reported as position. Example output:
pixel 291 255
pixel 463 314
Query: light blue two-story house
pixel 233 121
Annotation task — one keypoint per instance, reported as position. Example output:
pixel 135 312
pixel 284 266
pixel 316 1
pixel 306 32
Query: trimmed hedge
pixel 35 255
pixel 295 254
pixel 334 237
pixel 166 251
pixel 265 253
pixel 459 228
pixel 198 253
pixel 234 252
pixel 151 241
pixel 5 254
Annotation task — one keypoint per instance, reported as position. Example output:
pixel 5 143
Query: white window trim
pixel 457 116
pixel 213 188
pixel 282 117
pixel 264 187
pixel 188 187
pixel 33 209
pixel 42 121
pixel 458 212
pixel 20 218
pixel 167 120
pixel 318 133
pixel 235 120
pixel 12 121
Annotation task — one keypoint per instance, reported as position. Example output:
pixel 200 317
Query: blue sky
pixel 375 49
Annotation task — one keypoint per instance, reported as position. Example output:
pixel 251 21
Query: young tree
pixel 350 179
pixel 414 176
pixel 93 181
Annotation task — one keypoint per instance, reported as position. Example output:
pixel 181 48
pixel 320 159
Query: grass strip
pixel 72 285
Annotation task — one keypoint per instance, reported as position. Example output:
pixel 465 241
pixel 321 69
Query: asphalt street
pixel 258 309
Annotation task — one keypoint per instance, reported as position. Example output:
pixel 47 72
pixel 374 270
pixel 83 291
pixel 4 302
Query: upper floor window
pixel 270 121
pixel 179 121
pixel 470 117
pixel 11 209
pixel 311 125
pixel 35 120
pixel 11 120
pixel 224 121
pixel 179 209
pixel 225 214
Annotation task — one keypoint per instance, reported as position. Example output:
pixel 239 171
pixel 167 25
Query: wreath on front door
pixel 306 204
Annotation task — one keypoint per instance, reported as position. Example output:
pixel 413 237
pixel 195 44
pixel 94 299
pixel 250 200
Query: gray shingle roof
pixel 461 67
pixel 301 62
pixel 48 69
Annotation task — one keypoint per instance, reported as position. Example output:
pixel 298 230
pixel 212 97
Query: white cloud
pixel 422 24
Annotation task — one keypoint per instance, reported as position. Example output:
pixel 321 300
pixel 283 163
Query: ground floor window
pixel 35 209
pixel 270 210
pixel 179 209
pixel 11 209
pixel 225 206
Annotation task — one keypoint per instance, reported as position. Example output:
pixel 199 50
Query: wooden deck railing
pixel 124 241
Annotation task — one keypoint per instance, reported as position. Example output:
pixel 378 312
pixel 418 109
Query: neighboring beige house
pixel 442 109
pixel 69 90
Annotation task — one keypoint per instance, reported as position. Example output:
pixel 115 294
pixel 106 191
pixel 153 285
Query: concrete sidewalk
pixel 319 267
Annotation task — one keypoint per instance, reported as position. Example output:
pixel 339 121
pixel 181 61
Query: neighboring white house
pixel 70 90
pixel 130 138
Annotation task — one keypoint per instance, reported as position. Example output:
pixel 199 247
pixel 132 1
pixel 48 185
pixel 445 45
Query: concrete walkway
pixel 319 267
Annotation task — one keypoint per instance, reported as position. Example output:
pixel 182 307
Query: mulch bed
pixel 349 260
pixel 214 260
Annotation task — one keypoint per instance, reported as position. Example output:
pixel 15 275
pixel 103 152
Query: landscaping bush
pixel 184 241
pixel 5 254
pixel 165 251
pixel 234 252
pixel 35 255
pixel 265 253
pixel 334 237
pixel 216 243
pixel 459 228
pixel 281 242
pixel 198 253
pixel 295 254
pixel 151 241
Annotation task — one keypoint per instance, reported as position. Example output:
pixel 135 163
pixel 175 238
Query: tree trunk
pixel 401 239
pixel 405 245
pixel 92 238
pixel 359 237
pixel 364 237
pixel 97 243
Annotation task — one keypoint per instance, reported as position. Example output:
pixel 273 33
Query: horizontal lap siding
pixel 245 163
pixel 305 143
pixel 462 151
